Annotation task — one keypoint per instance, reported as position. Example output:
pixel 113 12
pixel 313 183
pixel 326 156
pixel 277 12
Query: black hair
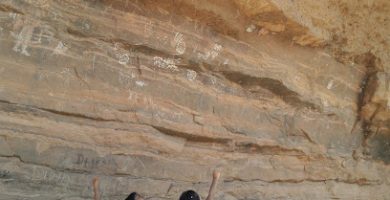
pixel 132 196
pixel 189 195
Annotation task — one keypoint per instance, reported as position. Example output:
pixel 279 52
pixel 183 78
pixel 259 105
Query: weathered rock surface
pixel 354 32
pixel 153 95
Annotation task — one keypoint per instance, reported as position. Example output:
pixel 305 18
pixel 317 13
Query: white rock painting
pixel 191 75
pixel 165 63
pixel 180 45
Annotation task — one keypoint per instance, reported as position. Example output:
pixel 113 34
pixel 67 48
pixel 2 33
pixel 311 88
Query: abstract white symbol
pixel 125 79
pixel 388 96
pixel 13 15
pixel 216 50
pixel 213 80
pixel 226 62
pixel 39 3
pixel 166 63
pixel 86 26
pixel 191 75
pixel 42 75
pixel 61 48
pixel 164 41
pixel 93 62
pixel 3 16
pixel 56 15
pixel 31 34
pixel 42 33
pixel 66 76
pixel 123 59
pixel 148 29
pixel 330 85
pixel 22 40
pixel 251 28
pixel 213 53
pixel 325 102
pixel 117 46
pixel 202 56
pixel 140 83
pixel 131 95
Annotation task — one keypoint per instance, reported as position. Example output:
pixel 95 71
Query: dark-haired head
pixel 189 195
pixel 134 196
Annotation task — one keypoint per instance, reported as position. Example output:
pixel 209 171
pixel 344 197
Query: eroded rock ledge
pixel 151 96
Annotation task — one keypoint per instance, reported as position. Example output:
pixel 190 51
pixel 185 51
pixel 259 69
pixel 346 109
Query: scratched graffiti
pixel 94 162
pixel 50 176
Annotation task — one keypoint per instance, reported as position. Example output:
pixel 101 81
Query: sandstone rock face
pixel 151 96
pixel 353 32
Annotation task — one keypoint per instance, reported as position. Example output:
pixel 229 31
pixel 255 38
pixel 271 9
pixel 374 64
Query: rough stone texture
pixel 153 95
